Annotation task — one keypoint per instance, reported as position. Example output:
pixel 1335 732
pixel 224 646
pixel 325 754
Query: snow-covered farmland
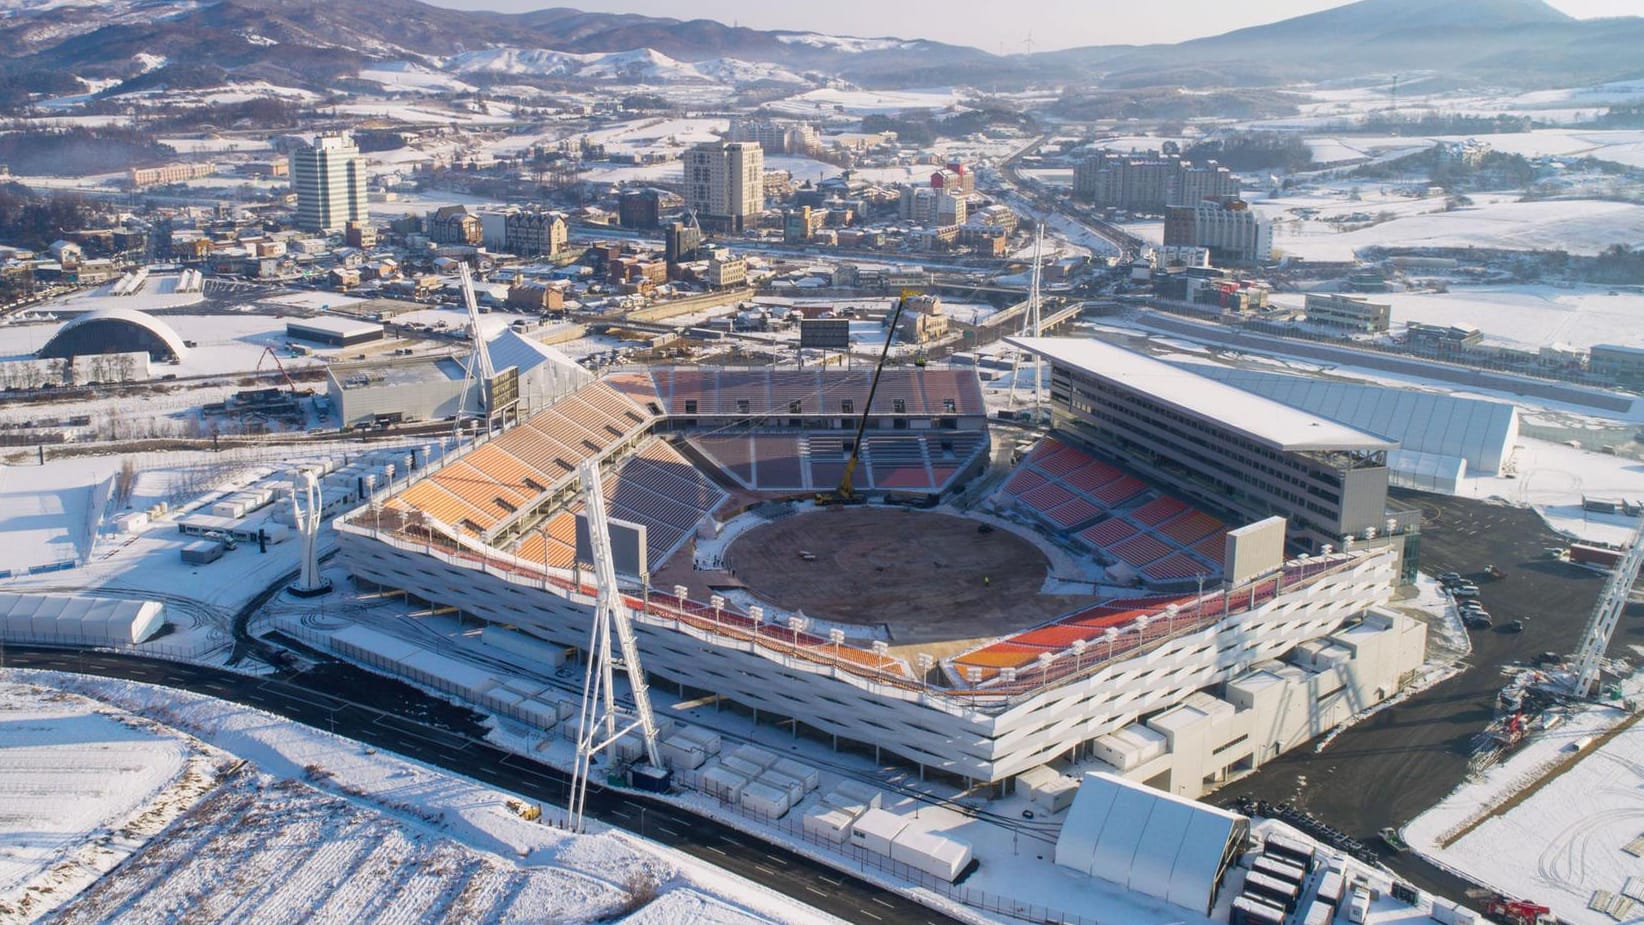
pixel 319 828
pixel 1529 317
pixel 81 787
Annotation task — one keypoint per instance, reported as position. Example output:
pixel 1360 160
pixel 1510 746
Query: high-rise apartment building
pixel 329 179
pixel 1150 181
pixel 725 184
pixel 1233 233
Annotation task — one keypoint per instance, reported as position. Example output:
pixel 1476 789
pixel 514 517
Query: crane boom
pixel 847 490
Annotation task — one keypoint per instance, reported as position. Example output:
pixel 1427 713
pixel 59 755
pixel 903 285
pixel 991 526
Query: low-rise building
pixel 1350 312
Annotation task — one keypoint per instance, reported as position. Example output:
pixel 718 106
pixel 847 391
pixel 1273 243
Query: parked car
pixel 1476 620
pixel 1461 594
pixel 1449 578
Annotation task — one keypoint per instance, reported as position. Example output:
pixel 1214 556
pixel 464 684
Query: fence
pixel 864 860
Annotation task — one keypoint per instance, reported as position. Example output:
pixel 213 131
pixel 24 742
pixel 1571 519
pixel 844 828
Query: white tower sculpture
pixel 306 519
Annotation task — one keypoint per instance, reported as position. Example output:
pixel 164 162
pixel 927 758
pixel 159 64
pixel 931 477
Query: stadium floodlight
pixel 797 623
pixel 681 593
pixel 1079 646
pixel 974 676
pixel 717 602
pixel 1045 658
pixel 1111 634
pixel 836 636
pixel 1170 618
pixel 756 613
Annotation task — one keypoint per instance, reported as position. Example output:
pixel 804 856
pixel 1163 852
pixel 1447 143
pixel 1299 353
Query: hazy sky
pixel 994 25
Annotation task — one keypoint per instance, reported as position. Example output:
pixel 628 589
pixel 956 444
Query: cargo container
pixel 765 800
pixel 707 738
pixel 1293 850
pixel 680 752
pixel 723 784
pixel 202 552
pixel 876 830
pixel 856 792
pixel 742 765
pixel 1284 870
pixel 1358 905
pixel 1594 555
pixel 793 787
pixel 1330 887
pixel 649 779
pixel 753 754
pixel 934 854
pixel 1319 913
pixel 828 823
pixel 1272 889
pixel 1248 910
pixel 799 771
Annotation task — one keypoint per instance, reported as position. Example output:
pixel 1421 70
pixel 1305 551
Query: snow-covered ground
pixel 1567 839
pixel 1529 317
pixel 319 828
pixel 81 788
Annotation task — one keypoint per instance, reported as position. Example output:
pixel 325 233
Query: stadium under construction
pixel 1240 563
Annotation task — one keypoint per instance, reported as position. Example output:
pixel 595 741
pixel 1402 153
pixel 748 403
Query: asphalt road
pixel 1390 768
pixel 447 736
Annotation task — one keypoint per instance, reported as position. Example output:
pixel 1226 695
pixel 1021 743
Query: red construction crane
pixel 269 352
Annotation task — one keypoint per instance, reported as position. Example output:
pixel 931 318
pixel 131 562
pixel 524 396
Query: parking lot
pixel 1390 768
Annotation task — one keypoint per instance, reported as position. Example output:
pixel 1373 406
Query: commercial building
pixel 1219 446
pixel 533 233
pixel 639 208
pixel 726 270
pixel 334 331
pixel 454 225
pixel 777 136
pixel 329 179
pixel 725 184
pixel 1233 233
pixel 1617 361
pixel 1350 312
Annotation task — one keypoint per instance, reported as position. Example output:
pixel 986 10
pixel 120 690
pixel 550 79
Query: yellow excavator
pixel 846 492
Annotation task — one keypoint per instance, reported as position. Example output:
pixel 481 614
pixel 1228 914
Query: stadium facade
pixel 485 533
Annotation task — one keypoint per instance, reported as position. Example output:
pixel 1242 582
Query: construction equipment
pixel 1607 613
pixel 269 353
pixel 846 492
pixel 1508 911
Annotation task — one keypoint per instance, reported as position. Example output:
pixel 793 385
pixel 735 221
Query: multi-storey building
pixel 455 225
pixel 1219 446
pixel 534 233
pixel 1233 233
pixel 725 184
pixel 778 136
pixel 139 177
pixel 1149 181
pixel 329 179
pixel 1352 312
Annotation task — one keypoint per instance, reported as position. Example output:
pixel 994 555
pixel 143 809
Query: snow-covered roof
pixel 1149 841
pixel 1261 419
pixel 68 618
pixel 148 323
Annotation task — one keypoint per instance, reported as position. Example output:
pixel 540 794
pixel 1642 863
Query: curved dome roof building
pixel 114 330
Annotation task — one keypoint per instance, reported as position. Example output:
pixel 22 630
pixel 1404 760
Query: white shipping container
pixel 858 792
pixel 794 787
pixel 829 823
pixel 131 521
pixel 770 802
pixel 755 755
pixel 742 765
pixel 876 830
pixel 799 771
pixel 1319 913
pixel 722 783
pixel 682 753
pixel 707 738
pixel 936 855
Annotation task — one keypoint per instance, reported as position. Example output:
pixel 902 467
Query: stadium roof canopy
pixel 1479 431
pixel 114 330
pixel 1261 419
pixel 1150 841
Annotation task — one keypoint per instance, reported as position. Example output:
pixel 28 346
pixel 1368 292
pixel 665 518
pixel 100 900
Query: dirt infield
pixel 926 576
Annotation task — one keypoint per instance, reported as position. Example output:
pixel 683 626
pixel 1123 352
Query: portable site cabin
pixel 829 823
pixel 934 854
pixel 876 830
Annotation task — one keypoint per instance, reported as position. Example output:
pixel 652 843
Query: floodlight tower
pixel 599 725
pixel 479 366
pixel 306 519
pixel 1607 613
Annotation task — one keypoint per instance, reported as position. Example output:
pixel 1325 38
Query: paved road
pixel 1387 770
pixel 447 736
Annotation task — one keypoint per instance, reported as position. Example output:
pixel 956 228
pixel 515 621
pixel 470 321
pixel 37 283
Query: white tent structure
pixel 1150 841
pixel 1426 424
pixel 63 619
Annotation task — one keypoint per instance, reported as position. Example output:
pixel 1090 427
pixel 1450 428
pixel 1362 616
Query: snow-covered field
pixel 1577 226
pixel 319 828
pixel 827 101
pixel 1529 317
pixel 1566 840
pixel 81 787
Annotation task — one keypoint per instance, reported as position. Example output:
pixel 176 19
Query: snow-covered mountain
pixel 638 66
